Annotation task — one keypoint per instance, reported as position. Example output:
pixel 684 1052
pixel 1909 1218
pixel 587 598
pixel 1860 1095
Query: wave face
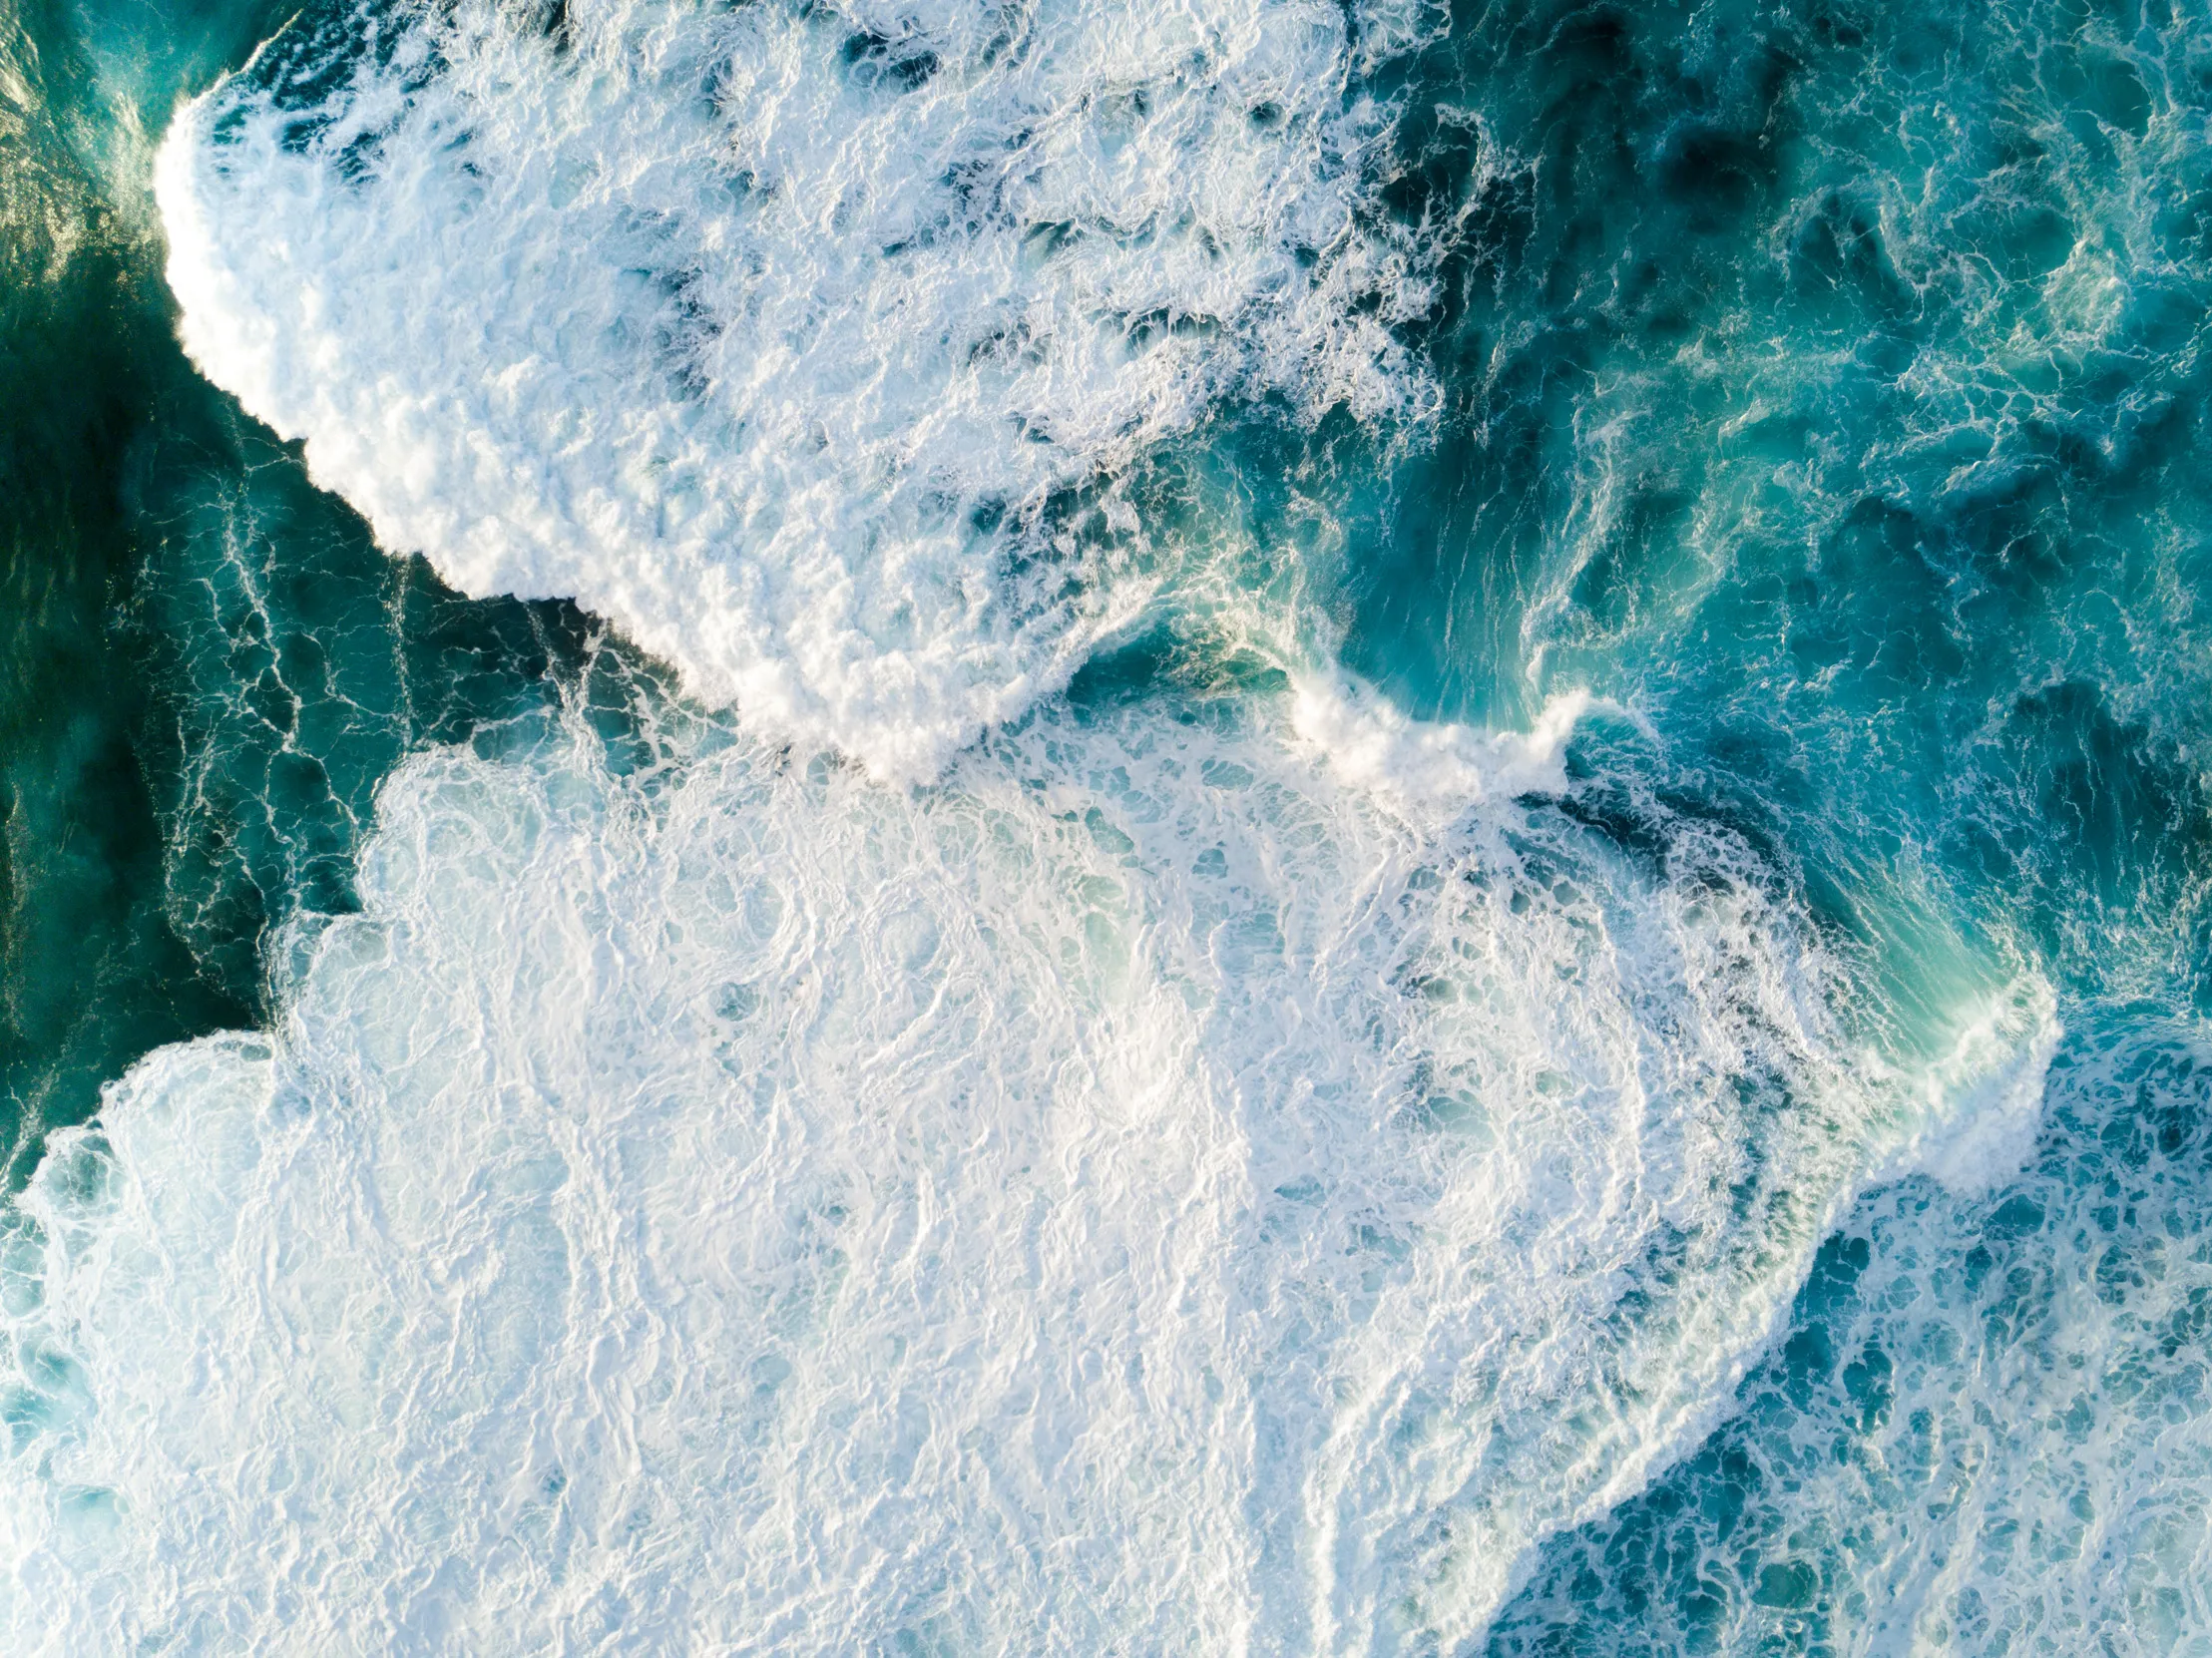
pixel 813 344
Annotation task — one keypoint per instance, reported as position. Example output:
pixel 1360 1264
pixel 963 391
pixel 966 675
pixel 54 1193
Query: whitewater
pixel 897 1131
pixel 1137 1193
pixel 813 345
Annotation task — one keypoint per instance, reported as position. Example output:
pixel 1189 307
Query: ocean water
pixel 939 826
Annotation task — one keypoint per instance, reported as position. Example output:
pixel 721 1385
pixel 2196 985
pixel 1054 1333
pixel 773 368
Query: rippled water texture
pixel 949 826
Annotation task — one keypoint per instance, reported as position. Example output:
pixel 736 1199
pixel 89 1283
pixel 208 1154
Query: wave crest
pixel 811 343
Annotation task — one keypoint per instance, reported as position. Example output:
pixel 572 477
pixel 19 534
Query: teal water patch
pixel 92 972
pixel 211 666
pixel 1828 383
pixel 1982 1431
pixel 295 665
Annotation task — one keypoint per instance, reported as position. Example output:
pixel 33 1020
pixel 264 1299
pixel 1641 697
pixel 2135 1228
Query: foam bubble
pixel 1142 1193
pixel 808 342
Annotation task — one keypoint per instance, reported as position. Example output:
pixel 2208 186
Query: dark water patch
pixel 294 664
pixel 880 60
pixel 210 667
pixel 91 974
pixel 1595 205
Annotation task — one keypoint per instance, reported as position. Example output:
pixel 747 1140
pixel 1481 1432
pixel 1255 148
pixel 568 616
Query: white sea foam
pixel 809 342
pixel 1427 771
pixel 1994 1079
pixel 1141 1194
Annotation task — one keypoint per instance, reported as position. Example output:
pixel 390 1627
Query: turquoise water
pixel 211 665
pixel 609 712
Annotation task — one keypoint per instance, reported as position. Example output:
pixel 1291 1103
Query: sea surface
pixel 1105 826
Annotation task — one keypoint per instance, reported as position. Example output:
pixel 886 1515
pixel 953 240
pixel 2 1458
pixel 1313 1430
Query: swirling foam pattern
pixel 1142 1194
pixel 862 1151
pixel 807 343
